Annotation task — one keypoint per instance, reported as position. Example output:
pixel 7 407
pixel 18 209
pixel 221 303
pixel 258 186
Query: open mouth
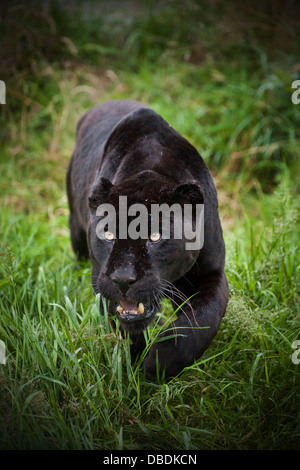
pixel 129 310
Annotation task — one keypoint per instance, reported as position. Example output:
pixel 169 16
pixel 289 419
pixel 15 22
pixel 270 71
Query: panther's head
pixel 131 271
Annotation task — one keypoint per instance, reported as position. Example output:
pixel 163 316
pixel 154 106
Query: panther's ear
pixel 100 192
pixel 189 193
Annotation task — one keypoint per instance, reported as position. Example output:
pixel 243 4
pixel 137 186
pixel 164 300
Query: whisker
pixel 177 293
pixel 169 287
pixel 159 295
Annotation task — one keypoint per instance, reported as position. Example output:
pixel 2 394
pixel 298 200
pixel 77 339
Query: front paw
pixel 151 366
pixel 164 361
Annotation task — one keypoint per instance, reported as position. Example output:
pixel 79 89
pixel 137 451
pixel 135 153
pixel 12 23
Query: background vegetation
pixel 221 73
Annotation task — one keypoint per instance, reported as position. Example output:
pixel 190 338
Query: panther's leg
pixel 78 238
pixel 195 326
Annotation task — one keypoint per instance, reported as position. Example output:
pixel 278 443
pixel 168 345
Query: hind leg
pixel 78 238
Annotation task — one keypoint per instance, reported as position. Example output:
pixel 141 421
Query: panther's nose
pixel 123 281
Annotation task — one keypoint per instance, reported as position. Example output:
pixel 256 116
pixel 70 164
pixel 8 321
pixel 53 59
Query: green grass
pixel 68 382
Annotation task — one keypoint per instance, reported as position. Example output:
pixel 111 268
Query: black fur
pixel 125 148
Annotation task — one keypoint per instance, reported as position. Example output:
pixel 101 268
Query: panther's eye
pixel 155 236
pixel 109 236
